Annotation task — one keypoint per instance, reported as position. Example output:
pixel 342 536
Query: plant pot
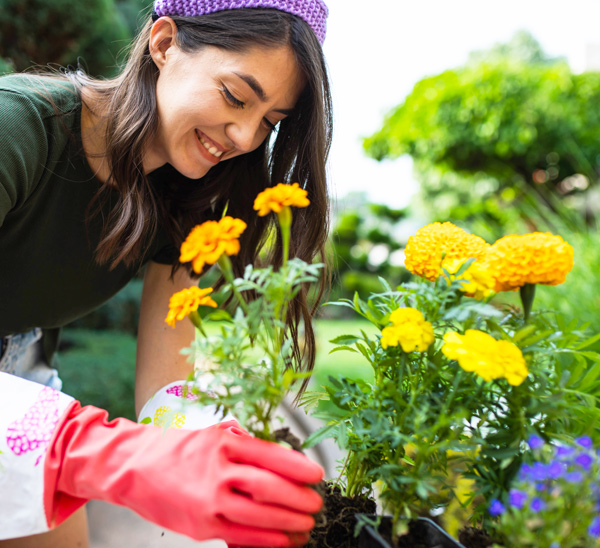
pixel 433 536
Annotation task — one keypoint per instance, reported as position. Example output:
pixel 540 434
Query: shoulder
pixel 41 96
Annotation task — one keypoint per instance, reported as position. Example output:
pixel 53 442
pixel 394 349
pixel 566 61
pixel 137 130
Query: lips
pixel 208 148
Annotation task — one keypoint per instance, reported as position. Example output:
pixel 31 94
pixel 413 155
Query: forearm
pixel 159 361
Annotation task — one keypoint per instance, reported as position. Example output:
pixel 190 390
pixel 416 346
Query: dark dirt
pixel 335 529
pixel 336 522
pixel 472 537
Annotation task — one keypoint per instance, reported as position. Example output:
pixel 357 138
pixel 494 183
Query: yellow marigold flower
pixel 208 241
pixel 409 330
pixel 536 258
pixel 479 279
pixel 489 358
pixel 280 196
pixel 186 301
pixel 424 250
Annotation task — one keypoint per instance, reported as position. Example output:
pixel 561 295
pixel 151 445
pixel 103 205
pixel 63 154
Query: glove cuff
pixel 29 415
pixel 173 406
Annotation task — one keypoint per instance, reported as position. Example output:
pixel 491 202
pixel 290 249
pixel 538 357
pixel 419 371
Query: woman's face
pixel 214 104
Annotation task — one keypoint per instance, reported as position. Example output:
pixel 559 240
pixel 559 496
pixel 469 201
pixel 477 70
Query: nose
pixel 243 135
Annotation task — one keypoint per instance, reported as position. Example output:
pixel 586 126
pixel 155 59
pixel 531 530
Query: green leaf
pixel 345 339
pixel 340 348
pixel 319 435
pixel 146 420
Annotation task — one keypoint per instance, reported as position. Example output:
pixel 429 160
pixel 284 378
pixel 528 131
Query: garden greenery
pixel 459 383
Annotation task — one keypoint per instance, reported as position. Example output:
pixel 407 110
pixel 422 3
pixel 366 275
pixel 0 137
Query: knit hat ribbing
pixel 314 12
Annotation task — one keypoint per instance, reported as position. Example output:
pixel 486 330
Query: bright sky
pixel 378 49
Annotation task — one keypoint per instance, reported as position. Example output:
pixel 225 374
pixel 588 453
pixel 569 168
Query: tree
pixel 485 135
pixel 60 32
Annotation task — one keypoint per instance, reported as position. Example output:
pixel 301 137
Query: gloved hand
pixel 205 484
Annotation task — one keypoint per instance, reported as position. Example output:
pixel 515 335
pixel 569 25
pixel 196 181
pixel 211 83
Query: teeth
pixel 211 148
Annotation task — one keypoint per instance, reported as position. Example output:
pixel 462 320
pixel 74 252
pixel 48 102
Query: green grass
pixel 350 364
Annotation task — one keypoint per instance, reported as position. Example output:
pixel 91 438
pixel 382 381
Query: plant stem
pixel 227 270
pixel 527 293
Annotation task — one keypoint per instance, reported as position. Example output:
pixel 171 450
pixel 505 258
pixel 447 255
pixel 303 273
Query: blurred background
pixel 483 113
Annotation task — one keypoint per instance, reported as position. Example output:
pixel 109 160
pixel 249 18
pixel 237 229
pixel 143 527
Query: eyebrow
pixel 260 92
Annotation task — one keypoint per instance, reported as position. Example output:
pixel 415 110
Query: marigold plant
pixel 250 363
pixel 207 242
pixel 459 384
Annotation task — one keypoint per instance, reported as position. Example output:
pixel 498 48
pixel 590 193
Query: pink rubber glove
pixel 205 484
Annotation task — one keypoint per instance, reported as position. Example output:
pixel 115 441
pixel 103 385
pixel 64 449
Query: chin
pixel 192 172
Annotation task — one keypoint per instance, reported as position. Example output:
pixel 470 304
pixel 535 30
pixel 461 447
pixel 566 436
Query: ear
pixel 162 37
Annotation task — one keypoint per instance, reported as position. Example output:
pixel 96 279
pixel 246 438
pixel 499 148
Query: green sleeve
pixel 23 150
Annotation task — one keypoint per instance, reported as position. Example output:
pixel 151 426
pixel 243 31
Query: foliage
pixel 363 242
pixel 121 313
pixel 61 32
pixel 98 368
pixel 427 415
pixel 482 135
pixel 554 500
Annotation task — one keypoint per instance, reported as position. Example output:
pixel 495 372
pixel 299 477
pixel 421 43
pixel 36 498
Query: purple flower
pixel 594 528
pixel 555 545
pixel 524 472
pixel 535 442
pixel 517 498
pixel 564 452
pixel 555 469
pixel 539 471
pixel 574 477
pixel 496 508
pixel 584 460
pixel 585 441
pixel 541 487
pixel 537 504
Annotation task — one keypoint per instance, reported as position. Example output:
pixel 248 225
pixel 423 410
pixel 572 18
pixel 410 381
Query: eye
pixel 233 101
pixel 270 125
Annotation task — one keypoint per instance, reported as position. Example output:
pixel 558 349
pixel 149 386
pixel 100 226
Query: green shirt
pixel 48 275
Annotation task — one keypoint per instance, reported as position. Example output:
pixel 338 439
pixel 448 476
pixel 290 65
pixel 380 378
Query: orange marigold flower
pixel 186 301
pixel 425 250
pixel 409 330
pixel 536 258
pixel 280 196
pixel 208 241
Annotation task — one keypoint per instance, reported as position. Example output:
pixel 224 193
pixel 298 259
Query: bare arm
pixel 158 360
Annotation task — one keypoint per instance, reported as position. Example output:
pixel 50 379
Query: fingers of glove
pixel 281 460
pixel 232 426
pixel 235 534
pixel 265 487
pixel 243 510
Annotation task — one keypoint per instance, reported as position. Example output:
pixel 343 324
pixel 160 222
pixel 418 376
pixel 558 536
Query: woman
pixel 218 101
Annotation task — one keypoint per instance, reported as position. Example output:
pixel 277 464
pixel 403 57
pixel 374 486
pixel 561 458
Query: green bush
pixel 37 32
pixel 484 135
pixel 98 368
pixel 121 313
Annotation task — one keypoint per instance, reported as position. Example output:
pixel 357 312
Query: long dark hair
pixel 297 153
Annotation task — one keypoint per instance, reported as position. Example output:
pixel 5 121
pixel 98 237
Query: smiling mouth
pixel 212 149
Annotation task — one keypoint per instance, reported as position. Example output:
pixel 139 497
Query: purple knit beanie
pixel 314 12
